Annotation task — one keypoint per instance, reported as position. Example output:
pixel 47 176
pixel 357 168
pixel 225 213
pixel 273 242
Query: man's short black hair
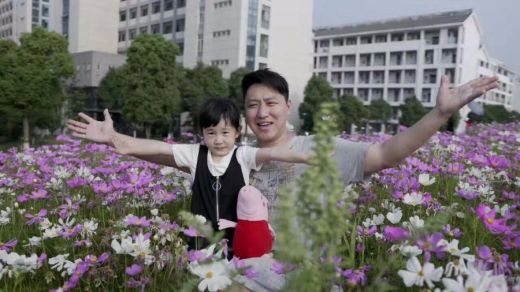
pixel 268 78
pixel 216 109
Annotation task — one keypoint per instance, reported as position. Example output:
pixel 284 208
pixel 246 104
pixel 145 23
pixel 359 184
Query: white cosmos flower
pixel 215 275
pixel 413 199
pixel 125 247
pixel 58 262
pixel 411 251
pixel 425 180
pixel 141 246
pixel 453 248
pixel 395 216
pixel 417 274
pixel 476 281
pixel 35 241
pixel 201 219
pixel 5 216
pixel 456 267
pixel 89 228
pixel 21 263
pixel 416 222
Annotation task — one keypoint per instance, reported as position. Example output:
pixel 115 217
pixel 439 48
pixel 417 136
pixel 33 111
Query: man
pixel 267 109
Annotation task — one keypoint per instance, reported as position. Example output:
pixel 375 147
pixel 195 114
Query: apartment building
pixel 503 95
pixel 397 58
pixel 20 16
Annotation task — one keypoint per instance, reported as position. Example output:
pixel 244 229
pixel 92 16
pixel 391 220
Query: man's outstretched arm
pixel 449 101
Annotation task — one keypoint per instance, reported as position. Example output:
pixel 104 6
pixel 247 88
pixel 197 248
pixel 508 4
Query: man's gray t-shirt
pixel 350 158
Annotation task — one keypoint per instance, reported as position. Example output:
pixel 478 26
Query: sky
pixel 499 19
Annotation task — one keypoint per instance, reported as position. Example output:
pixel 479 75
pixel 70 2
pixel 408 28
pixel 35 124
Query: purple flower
pixel 394 234
pixel 431 244
pixel 8 245
pixel 191 232
pixel 136 221
pixel 134 270
pixel 456 233
pixel 36 219
pixel 40 194
pixel 68 232
pixel 22 198
pixel 492 260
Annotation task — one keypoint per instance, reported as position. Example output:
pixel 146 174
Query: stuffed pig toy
pixel 253 234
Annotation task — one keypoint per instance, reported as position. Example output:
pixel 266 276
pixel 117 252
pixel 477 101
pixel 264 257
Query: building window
pixel 143 30
pixel 133 13
pixel 397 37
pixel 335 77
pixel 223 62
pixel 262 66
pixel 223 4
pixel 413 35
pixel 449 56
pixel 179 24
pixel 132 33
pixel 221 33
pixel 349 78
pixel 122 36
pixel 428 57
pixel 430 76
pixel 378 77
pixel 351 41
pixel 337 42
pixel 144 10
pixel 324 43
pixel 122 15
pixel 411 58
pixel 350 60
pixel 323 63
pixel 396 58
pixel 168 5
pixel 167 27
pixel 364 60
pixel 394 76
pixel 155 28
pixel 381 38
pixel 431 37
pixel 393 94
pixel 337 61
pixel 409 76
pixel 379 59
pixel 426 95
pixel 266 16
pixel 156 7
pixel 408 92
pixel 181 3
pixel 363 94
pixel 366 39
pixel 364 77
pixel 264 45
pixel 451 74
pixel 45 11
pixel 45 23
pixel 453 34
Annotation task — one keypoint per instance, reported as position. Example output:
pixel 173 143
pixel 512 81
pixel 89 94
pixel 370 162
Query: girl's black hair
pixel 216 109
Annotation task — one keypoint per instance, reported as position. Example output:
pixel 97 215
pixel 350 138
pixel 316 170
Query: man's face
pixel 267 113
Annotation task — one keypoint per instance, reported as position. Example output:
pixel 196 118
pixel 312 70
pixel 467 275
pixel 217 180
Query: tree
pixel 202 83
pixel 352 112
pixel 379 110
pixel 495 113
pixel 411 111
pixel 34 78
pixel 316 92
pixel 235 86
pixel 151 84
pixel 110 89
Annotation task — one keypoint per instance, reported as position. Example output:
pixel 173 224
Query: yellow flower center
pixel 421 273
pixel 490 220
pixel 209 274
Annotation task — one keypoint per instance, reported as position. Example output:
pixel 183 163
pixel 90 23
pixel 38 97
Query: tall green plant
pixel 310 221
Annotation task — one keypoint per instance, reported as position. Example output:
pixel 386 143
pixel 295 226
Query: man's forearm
pixel 145 149
pixel 405 143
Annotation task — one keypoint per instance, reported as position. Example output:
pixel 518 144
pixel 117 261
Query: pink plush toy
pixel 253 234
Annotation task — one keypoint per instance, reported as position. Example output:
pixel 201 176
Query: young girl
pixel 219 169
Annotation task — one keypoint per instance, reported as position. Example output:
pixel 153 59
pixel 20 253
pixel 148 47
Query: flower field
pixel 79 216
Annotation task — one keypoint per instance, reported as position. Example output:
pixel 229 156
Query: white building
pixel 20 16
pixel 503 95
pixel 398 58
pixel 89 25
pixel 230 34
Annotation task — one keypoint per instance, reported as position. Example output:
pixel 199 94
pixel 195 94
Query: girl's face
pixel 220 139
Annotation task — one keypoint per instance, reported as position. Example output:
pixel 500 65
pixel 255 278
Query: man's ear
pixel 289 104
